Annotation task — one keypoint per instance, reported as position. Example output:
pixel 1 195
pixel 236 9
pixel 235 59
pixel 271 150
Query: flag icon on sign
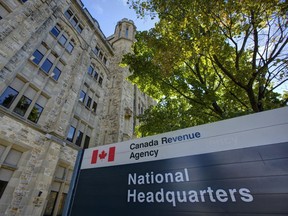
pixel 103 155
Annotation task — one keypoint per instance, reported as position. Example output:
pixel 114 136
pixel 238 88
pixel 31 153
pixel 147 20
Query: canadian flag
pixel 103 155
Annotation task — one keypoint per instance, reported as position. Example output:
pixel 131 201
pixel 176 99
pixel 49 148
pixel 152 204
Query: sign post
pixel 233 167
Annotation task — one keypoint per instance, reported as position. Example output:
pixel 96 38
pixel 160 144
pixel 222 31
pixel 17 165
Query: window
pixel 62 40
pixel 100 55
pixel 59 190
pixel 100 80
pixel 37 57
pixel 69 14
pixel 86 142
pixel 49 62
pixel 55 31
pixel 89 101
pixel 82 96
pixel 71 133
pixel 24 1
pixel 47 65
pixel 10 157
pixel 37 109
pixel 22 105
pixel 95 75
pixel 105 60
pixel 74 21
pixel 8 97
pixel 77 131
pixel 79 138
pixel 96 50
pixel 94 107
pixel 126 33
pixel 56 73
pixel 90 70
pixel 35 113
pixel 79 28
pixel 3 185
pixel 70 47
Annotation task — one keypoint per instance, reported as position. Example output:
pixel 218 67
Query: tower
pixel 125 99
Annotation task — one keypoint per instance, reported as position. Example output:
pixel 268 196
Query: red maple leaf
pixel 102 155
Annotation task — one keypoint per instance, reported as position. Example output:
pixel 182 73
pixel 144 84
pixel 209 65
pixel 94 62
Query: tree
pixel 210 60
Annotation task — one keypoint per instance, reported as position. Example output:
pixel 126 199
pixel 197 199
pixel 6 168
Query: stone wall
pixel 33 154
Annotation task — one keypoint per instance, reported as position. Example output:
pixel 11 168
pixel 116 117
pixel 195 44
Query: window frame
pixel 57 30
pixel 35 58
pixel 54 75
pixel 82 92
pixel 38 113
pixel 74 20
pixel 26 106
pixel 7 166
pixel 48 63
pixel 12 100
pixel 73 133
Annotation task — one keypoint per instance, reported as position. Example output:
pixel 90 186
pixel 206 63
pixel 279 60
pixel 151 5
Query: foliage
pixel 209 60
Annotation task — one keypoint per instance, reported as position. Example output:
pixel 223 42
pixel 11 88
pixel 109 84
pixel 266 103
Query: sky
pixel 109 12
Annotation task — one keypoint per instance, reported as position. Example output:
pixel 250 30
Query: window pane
pixel 56 73
pixel 96 50
pixel 100 55
pixel 8 97
pixel 79 138
pixel 51 203
pixel 82 96
pixel 86 142
pixel 68 14
pixel 89 101
pixel 96 75
pixel 74 21
pixel 62 40
pixel 46 66
pixel 105 60
pixel 71 134
pixel 70 47
pixel 22 106
pixel 90 70
pixel 126 33
pixel 35 113
pixel 3 185
pixel 79 28
pixel 55 31
pixel 100 80
pixel 37 56
pixel 94 107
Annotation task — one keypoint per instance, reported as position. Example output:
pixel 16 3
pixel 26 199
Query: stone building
pixel 61 90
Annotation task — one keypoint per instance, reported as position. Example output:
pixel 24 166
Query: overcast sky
pixel 109 12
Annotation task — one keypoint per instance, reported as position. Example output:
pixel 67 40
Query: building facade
pixel 61 90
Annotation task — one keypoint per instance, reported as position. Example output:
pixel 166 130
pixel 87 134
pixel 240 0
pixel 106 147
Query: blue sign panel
pixel 242 170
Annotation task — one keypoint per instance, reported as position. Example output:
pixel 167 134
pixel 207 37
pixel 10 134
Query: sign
pixel 233 167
